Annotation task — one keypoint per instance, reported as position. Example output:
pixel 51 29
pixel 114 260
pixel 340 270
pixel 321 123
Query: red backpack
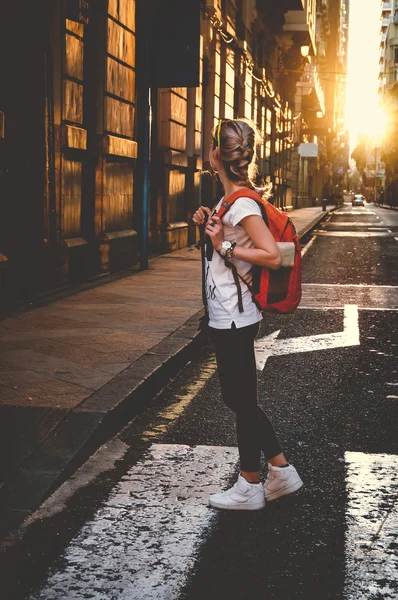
pixel 272 290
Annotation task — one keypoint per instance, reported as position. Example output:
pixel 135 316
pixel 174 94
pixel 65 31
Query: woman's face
pixel 214 157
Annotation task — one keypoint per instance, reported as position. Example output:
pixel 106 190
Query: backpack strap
pixel 202 251
pixel 236 277
pixel 242 193
pixel 225 206
pixel 203 244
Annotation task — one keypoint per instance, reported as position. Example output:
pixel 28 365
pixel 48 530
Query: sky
pixel 362 112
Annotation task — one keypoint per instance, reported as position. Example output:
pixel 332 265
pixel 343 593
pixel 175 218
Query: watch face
pixel 225 246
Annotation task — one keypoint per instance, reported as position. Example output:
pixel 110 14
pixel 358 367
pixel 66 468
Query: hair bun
pixel 237 148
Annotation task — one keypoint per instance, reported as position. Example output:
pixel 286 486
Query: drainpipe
pixel 143 123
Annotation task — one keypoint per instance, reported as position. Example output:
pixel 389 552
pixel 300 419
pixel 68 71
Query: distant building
pixel 320 104
pixel 388 89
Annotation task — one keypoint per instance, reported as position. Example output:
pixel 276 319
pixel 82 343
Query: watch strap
pixel 230 250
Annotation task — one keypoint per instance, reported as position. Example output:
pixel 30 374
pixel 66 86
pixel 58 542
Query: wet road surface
pixel 133 522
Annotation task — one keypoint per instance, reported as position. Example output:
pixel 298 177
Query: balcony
pixel 386 5
pixel 301 23
pixel 390 87
pixel 394 19
pixel 385 21
pixel 392 76
pixel 311 90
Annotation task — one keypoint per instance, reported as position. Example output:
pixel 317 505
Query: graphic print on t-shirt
pixel 210 286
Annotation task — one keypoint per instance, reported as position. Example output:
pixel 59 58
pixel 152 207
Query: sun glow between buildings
pixel 364 115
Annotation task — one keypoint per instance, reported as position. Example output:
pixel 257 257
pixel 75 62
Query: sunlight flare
pixel 363 113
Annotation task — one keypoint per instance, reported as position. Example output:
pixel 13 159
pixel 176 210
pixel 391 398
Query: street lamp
pixel 305 50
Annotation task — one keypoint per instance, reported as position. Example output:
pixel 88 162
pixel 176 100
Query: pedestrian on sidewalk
pixel 243 238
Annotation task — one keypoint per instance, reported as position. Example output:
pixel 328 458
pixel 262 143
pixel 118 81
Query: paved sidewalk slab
pixel 305 219
pixel 73 370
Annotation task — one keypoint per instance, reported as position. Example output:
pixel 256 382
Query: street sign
pixel 308 150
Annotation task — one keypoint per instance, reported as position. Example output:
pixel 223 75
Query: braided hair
pixel 237 140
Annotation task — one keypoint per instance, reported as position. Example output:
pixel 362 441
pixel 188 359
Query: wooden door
pixel 23 41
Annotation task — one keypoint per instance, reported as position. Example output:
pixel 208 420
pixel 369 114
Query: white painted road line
pixel 372 526
pixel 269 345
pixel 350 285
pixel 354 212
pixel 307 246
pixel 142 543
pixel 368 224
pixel 352 233
pixel 371 308
pixel 366 297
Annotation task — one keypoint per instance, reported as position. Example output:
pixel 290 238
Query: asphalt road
pixel 133 522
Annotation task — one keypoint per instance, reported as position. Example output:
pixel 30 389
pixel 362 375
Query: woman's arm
pixel 266 252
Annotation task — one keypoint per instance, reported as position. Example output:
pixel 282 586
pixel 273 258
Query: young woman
pixel 242 238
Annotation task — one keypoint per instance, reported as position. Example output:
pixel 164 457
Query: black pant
pixel 238 380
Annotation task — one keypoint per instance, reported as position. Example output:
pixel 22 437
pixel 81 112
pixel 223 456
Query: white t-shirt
pixel 221 291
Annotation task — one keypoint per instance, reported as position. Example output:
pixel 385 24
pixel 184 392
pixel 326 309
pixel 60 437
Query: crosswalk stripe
pixel 372 526
pixel 359 234
pixel 143 542
pixel 307 246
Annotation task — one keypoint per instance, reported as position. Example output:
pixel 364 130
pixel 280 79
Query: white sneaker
pixel 241 496
pixel 281 481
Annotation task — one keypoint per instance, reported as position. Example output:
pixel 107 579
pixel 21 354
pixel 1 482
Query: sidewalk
pixel 389 206
pixel 74 371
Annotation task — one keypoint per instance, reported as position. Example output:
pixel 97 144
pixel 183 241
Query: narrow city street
pixel 133 522
pixel 131 185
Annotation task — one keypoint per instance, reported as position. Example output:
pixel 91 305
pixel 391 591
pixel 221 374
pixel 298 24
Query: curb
pixel 303 232
pixel 91 423
pixel 387 206
pixel 100 416
pixel 313 224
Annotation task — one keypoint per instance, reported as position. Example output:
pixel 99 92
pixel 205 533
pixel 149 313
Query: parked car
pixel 358 200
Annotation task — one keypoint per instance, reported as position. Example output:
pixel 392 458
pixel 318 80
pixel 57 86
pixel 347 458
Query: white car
pixel 358 200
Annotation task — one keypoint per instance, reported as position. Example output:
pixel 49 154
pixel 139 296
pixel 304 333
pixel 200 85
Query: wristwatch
pixel 225 247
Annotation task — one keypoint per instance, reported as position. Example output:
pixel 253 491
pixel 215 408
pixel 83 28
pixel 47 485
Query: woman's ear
pixel 215 159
